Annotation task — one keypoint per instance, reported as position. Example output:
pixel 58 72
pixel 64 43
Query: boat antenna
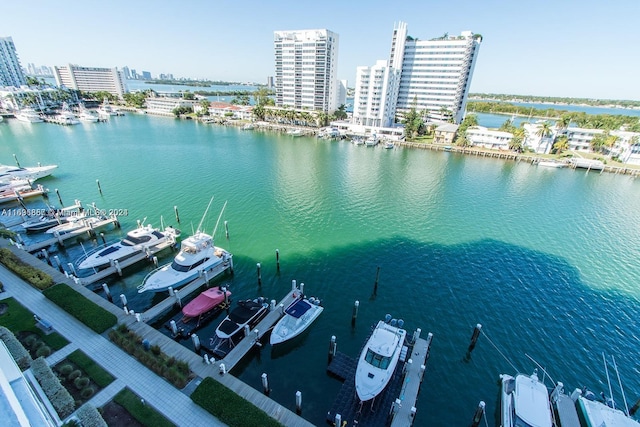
pixel 606 370
pixel 205 214
pixel 218 221
pixel 541 368
pixel 161 223
pixel 143 220
pixel 624 398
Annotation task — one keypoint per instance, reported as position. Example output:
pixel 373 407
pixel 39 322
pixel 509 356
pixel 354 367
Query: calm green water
pixel 546 260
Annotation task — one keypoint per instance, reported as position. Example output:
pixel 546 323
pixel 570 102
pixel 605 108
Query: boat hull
pixel 289 327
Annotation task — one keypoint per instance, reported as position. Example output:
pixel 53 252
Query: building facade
pixel 435 74
pixel 480 136
pixel 306 69
pixel 10 70
pixel 373 102
pixel 91 79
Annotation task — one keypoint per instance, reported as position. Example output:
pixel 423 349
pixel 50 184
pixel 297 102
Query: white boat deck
pixel 61 238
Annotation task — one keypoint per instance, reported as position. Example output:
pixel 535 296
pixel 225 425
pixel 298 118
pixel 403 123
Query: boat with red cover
pixel 208 300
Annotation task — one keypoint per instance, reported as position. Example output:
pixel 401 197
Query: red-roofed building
pixel 226 110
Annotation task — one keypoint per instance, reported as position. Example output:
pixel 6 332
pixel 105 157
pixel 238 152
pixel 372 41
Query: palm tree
pixel 544 131
pixel 561 144
pixel 610 142
pixel 516 143
pixel 598 142
pixel 564 121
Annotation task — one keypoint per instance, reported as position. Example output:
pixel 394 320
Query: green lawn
pixel 74 303
pixel 145 414
pixel 91 368
pixel 18 319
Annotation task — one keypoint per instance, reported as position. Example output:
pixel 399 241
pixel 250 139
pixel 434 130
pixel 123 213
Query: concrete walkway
pixel 166 399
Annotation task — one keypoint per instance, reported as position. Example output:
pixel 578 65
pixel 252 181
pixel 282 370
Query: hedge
pixel 143 413
pixel 27 272
pixel 16 349
pixel 91 368
pixel 55 391
pixel 88 312
pixel 90 417
pixel 228 407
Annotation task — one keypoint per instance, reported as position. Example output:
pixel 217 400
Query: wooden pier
pixel 118 267
pixel 60 238
pixel 265 325
pixel 166 304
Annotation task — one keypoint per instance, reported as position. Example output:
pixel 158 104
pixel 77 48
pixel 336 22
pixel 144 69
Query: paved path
pixel 174 405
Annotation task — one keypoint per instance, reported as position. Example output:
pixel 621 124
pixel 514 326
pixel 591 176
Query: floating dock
pixel 60 238
pixel 395 406
pixel 116 267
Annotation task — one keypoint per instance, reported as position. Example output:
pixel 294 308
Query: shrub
pixel 90 417
pixel 81 382
pixel 65 369
pixel 27 272
pixel 16 349
pixel 75 375
pixel 30 340
pixel 87 392
pixel 94 371
pixel 43 351
pixel 57 394
pixel 155 349
pixel 89 313
pixel 36 345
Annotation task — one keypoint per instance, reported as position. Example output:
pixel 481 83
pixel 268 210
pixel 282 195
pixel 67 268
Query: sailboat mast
pixel 218 221
pixel 606 370
pixel 204 216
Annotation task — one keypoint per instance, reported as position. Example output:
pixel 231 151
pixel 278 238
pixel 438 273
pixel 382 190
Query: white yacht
pixel 136 241
pixel 524 401
pixel 297 317
pixel 8 173
pixel 66 117
pixel 87 116
pixel 75 223
pixel 379 358
pixel 28 115
pixel 197 256
pixel 372 140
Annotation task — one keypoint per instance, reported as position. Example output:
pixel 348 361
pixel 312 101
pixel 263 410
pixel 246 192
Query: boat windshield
pixel 377 360
pixel 131 241
pixel 519 422
pixel 185 268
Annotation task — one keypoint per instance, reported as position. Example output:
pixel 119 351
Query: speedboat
pixel 7 173
pixel 372 140
pixel 524 401
pixel 297 317
pixel 209 300
pixel 75 223
pixel 197 256
pixel 143 237
pixel 379 358
pixel 388 145
pixel 248 126
pixel 248 313
pixel 51 217
pixel 294 132
pixel 551 164
pixel 357 140
pixel 28 115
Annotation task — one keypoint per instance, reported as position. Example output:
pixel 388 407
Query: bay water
pixel 545 259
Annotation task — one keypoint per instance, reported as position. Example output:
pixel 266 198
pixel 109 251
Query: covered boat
pixel 297 317
pixel 205 302
pixel 524 401
pixel 379 358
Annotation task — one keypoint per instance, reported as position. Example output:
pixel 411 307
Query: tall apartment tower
pixel 435 74
pixel 10 70
pixel 306 69
pixel 374 103
pixel 91 79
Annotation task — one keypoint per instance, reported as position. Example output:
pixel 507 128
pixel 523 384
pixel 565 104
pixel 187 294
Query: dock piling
pixel 337 421
pixel 354 315
pixel 58 263
pixel 206 359
pixel 116 264
pixel 246 330
pixel 107 292
pixel 294 286
pixel 174 328
pixel 17 162
pixel 298 402
pixel 474 338
pixel 477 417
pixel 332 348
pixel 59 198
pixel 155 261
pixel 72 268
pixel 104 242
pixel 259 274
pixel 222 369
pixel 375 285
pixel 301 289
pixel 278 260
pixel 196 342
pixel 226 229
pixel 265 384
pixel 175 209
pixel 99 188
pixel 178 300
pixel 123 299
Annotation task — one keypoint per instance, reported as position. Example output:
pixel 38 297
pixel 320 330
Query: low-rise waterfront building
pixel 579 139
pixel 494 139
pixel 91 79
pixel 227 110
pixel 164 106
pixel 445 133
pixel 627 146
pixel 534 140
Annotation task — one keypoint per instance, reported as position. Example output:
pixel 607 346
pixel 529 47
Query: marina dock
pixel 395 406
pixel 117 267
pixel 60 238
pixel 176 295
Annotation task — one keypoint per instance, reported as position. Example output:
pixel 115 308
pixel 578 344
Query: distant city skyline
pixel 547 48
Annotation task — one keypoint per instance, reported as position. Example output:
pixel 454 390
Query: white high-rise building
pixel 373 102
pixel 10 70
pixel 91 79
pixel 435 74
pixel 306 69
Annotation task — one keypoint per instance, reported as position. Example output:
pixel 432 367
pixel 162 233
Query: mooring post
pixel 294 286
pixel 259 275
pixel 123 299
pixel 354 315
pixel 72 268
pixel 277 260
pixel 265 384
pixel 174 328
pixel 477 417
pixel 337 421
pixel 104 242
pixel 59 263
pixel 196 342
pixel 175 209
pixel 99 188
pixel 107 292
pixel 474 337
pixel 116 264
pixel 298 402
pixel 226 229
pixel 375 285
pixel 59 198
pixel 332 348
pixel 301 289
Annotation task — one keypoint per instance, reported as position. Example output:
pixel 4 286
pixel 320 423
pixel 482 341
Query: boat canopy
pixel 298 308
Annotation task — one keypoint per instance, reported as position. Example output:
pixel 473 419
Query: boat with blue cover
pixel 297 318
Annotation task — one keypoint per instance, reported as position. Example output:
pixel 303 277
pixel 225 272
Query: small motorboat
pixel 207 301
pixel 551 164
pixel 75 223
pixel 295 132
pixel 297 317
pixel 229 332
pixel 524 401
pixel 143 237
pixel 51 218
pixel 372 140
pixel 379 358
pixel 389 145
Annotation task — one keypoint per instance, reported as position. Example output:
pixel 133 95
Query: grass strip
pixel 91 368
pixel 228 407
pixel 86 311
pixel 28 273
pixel 145 414
pixel 18 319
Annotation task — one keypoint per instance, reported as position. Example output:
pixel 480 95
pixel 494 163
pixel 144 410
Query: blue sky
pixel 570 48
